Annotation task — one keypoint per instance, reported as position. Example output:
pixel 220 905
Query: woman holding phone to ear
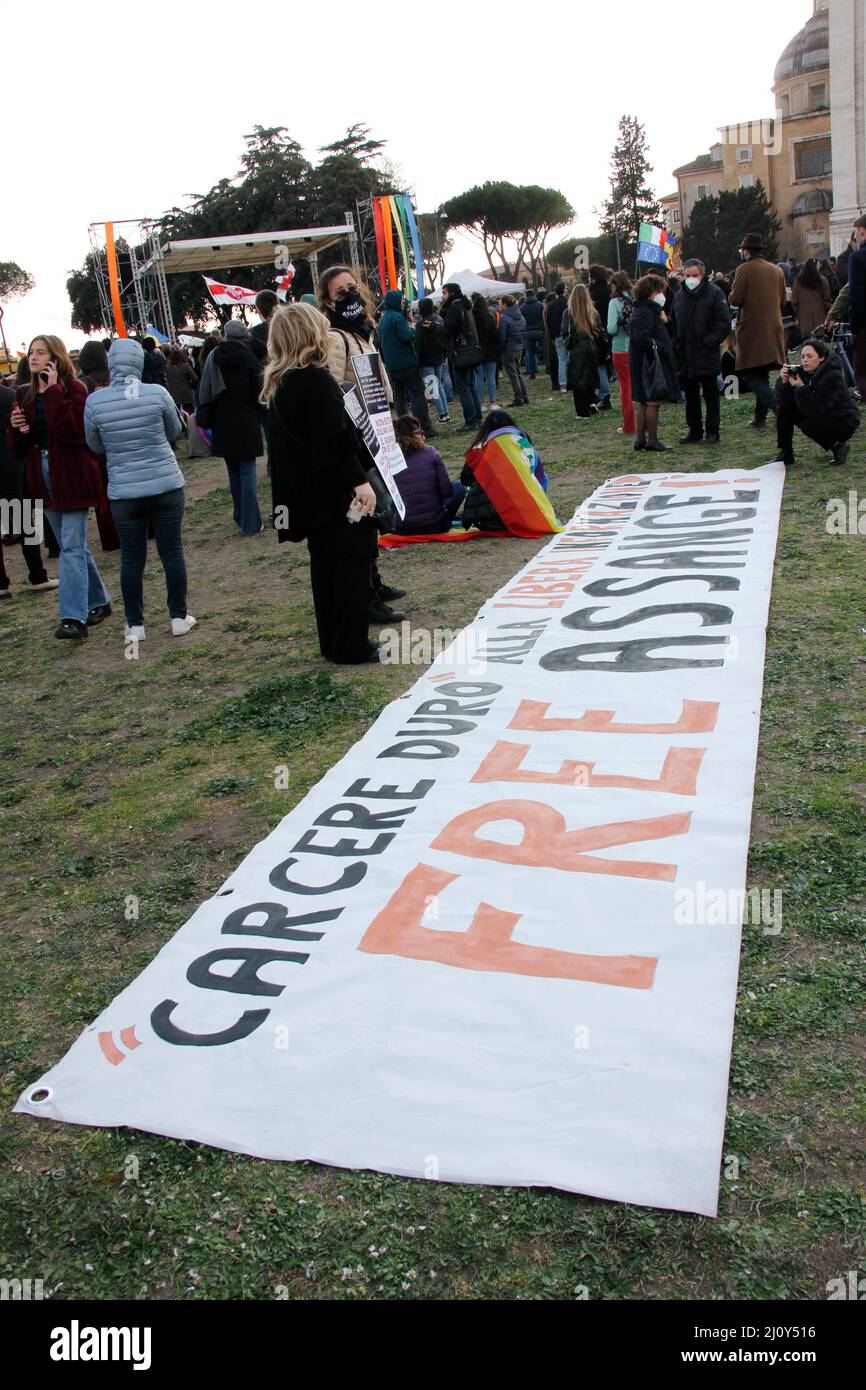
pixel 46 429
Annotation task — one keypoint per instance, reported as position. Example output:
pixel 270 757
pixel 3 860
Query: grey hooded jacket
pixel 134 426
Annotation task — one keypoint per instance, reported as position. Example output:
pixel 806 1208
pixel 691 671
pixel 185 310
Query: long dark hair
pixel 808 279
pixel 496 420
pixel 483 317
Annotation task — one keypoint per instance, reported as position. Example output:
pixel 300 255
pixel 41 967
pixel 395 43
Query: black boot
pixel 71 630
pixel 841 452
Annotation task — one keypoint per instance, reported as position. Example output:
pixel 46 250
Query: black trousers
pixel 787 416
pixel 33 559
pixel 340 578
pixel 582 401
pixel 757 379
pixel 693 386
pixel 406 379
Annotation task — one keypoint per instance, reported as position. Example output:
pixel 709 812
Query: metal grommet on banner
pixel 40 1095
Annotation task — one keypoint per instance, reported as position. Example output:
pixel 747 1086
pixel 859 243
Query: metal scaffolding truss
pixel 143 291
pixel 145 261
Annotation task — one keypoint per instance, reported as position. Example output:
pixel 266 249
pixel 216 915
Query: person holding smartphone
pixel 46 430
pixel 815 398
pixel 319 485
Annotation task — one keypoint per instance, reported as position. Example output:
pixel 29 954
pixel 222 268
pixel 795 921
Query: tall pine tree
pixel 632 200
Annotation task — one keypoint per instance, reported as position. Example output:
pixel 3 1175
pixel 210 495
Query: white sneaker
pixel 181 626
pixel 133 634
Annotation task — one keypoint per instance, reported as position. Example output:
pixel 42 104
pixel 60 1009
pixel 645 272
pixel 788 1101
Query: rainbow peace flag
pixel 655 245
pixel 501 467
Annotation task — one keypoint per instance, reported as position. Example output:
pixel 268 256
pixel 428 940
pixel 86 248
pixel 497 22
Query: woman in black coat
pixel 235 422
pixel 599 293
pixel 815 398
pixel 320 490
pixel 651 361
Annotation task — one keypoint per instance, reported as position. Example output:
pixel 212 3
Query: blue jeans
pixel 80 583
pixel 132 516
pixel 445 381
pixel 534 350
pixel 245 503
pixel 486 373
pixel 603 382
pixel 438 399
pixel 559 344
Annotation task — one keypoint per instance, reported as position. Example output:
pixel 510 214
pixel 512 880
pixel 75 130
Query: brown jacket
pixel 811 306
pixel 761 296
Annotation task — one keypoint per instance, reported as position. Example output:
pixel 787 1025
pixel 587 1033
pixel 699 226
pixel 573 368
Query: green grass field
pixel 151 779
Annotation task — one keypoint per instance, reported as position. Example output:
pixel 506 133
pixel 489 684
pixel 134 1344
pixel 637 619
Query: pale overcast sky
pixel 120 112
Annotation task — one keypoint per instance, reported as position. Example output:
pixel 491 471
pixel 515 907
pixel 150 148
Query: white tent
pixel 470 284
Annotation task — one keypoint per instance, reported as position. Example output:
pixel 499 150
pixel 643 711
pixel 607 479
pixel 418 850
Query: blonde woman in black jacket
pixel 320 491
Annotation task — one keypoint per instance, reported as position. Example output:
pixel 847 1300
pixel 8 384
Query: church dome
pixel 808 51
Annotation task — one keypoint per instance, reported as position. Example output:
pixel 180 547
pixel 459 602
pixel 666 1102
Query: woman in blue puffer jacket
pixel 134 425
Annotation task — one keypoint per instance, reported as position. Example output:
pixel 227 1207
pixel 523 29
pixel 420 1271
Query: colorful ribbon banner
pixel 416 247
pixel 114 280
pixel 403 242
pixel 388 233
pixel 378 226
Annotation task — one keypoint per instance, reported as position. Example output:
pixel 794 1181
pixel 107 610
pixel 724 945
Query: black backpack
pixel 625 316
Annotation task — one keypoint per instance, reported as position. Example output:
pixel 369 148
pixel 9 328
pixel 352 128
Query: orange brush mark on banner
pixel 388 236
pixel 113 282
pixel 399 930
pixel 679 774
pixel 546 844
pixel 697 717
pixel 696 484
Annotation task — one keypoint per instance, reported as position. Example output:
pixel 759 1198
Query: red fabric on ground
pixel 394 542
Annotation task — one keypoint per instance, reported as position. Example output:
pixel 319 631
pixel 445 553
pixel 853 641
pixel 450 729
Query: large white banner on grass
pixel 492 944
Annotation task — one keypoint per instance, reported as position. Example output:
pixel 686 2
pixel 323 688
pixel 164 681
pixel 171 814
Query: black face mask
pixel 350 308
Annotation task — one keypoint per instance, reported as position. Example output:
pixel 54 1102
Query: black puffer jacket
pixel 532 310
pixel 824 398
pixel 235 414
pixel 555 315
pixel 703 322
pixel 431 341
pixel 478 510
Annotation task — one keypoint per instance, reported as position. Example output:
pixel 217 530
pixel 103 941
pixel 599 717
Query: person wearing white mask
pixel 652 366
pixel 703 322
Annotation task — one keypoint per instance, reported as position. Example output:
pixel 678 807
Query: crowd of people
pixel 100 433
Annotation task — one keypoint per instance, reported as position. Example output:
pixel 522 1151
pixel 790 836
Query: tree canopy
pixel 14 281
pixel 718 224
pixel 632 200
pixel 600 250
pixel 436 242
pixel 501 215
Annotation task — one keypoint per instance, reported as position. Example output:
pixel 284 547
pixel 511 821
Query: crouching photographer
pixel 815 398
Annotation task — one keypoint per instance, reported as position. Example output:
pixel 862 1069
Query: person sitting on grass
pixel 432 500
pixel 815 398
pixel 478 509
